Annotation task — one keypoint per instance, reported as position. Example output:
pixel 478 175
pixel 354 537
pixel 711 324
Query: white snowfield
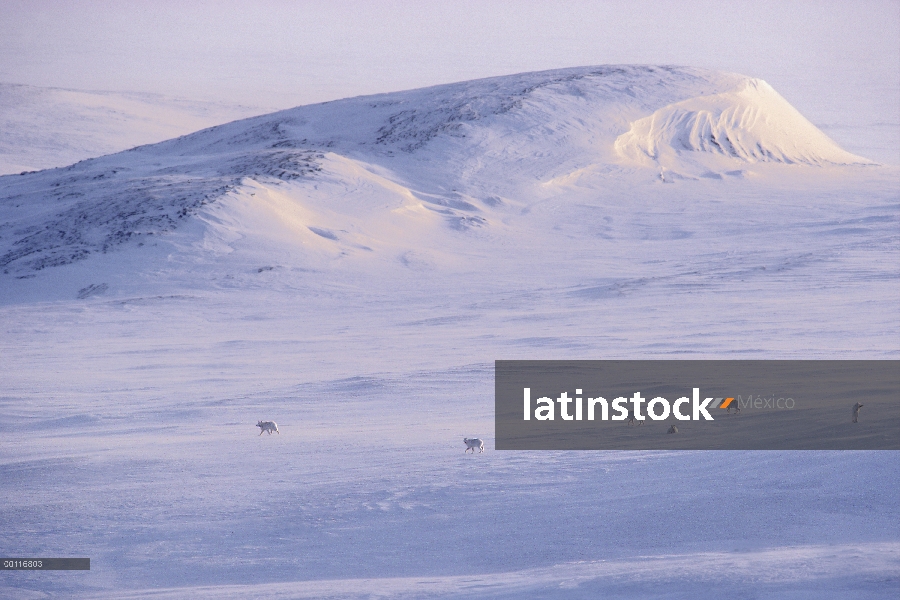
pixel 772 573
pixel 352 270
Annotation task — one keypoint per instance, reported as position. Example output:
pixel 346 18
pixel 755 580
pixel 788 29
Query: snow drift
pixel 750 123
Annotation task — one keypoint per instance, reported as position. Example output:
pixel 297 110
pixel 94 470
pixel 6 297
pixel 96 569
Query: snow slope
pixel 352 269
pixel 51 127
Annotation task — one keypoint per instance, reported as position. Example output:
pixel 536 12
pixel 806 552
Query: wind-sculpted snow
pixel 751 123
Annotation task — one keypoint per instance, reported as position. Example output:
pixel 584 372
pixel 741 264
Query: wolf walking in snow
pixel 269 426
pixel 472 444
pixel 856 408
pixel 632 418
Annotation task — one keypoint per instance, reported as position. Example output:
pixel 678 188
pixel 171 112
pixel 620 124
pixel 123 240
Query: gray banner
pixel 697 405
pixel 45 564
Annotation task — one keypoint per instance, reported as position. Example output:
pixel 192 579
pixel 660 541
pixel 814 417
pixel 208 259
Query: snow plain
pixel 352 269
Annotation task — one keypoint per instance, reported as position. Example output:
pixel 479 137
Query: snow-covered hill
pixel 351 270
pixel 453 150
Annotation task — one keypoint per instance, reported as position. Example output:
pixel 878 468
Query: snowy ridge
pixel 435 142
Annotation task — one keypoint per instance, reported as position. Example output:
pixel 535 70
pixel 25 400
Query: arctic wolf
pixel 632 418
pixel 269 426
pixel 472 444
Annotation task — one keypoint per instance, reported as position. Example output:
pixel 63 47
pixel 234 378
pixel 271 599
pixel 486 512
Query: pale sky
pixel 837 62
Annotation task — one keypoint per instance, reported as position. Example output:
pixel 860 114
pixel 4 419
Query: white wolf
pixel 856 408
pixel 269 426
pixel 472 444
